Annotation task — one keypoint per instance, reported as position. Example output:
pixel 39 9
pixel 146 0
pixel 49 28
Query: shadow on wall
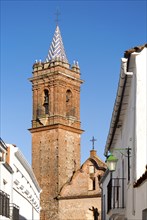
pixel 22 218
pixel 95 212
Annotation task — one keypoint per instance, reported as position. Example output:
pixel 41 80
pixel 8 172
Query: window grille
pixel 4 204
pixel 115 193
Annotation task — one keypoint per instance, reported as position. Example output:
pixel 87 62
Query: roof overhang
pixel 122 96
pixel 120 105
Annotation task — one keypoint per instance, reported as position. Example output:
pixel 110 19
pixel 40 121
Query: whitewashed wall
pixel 133 134
pixel 21 185
pixel 141 111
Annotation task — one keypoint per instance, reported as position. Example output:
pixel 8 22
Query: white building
pixel 19 190
pixel 125 189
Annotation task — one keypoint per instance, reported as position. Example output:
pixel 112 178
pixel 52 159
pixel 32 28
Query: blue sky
pixel 96 33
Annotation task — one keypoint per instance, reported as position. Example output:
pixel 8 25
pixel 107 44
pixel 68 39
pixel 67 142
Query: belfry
pixel 69 190
pixel 56 126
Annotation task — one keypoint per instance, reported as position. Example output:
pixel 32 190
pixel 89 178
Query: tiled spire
pixel 57 49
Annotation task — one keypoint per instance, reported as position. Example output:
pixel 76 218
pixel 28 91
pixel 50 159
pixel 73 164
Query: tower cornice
pixel 56 126
pixel 54 74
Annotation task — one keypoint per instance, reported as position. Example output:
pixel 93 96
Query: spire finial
pixel 57 16
pixel 93 140
pixel 56 51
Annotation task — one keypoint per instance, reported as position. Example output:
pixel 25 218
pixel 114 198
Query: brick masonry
pixel 68 190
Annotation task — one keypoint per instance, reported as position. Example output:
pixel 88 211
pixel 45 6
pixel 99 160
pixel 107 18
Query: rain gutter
pixel 118 103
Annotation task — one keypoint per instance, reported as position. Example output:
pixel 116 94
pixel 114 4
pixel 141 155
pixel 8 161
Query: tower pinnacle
pixel 56 50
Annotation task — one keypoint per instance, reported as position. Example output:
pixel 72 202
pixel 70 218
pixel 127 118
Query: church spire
pixel 56 50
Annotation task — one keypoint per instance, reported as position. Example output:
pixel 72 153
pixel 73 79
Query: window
pixel 144 214
pixel 91 184
pixel 70 110
pixel 91 169
pixel 93 181
pixel 46 101
pixel 115 193
pixel 2 156
pixel 4 204
pixel 68 96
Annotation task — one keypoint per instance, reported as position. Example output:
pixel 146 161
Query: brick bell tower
pixel 56 128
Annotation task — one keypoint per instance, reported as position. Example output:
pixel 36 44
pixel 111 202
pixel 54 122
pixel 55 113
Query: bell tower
pixel 56 128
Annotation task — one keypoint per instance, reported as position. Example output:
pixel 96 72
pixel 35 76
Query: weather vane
pixel 93 140
pixel 57 16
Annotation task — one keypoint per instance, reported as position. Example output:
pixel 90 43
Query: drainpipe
pixel 125 63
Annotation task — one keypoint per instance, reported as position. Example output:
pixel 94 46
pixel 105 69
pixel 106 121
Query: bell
pixel 46 100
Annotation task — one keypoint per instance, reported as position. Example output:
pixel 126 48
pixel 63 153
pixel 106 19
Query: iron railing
pixel 4 204
pixel 115 194
pixel 14 211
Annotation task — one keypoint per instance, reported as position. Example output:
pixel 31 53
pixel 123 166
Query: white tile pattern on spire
pixel 56 50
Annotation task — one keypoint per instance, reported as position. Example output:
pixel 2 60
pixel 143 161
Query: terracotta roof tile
pixel 141 179
pixel 135 49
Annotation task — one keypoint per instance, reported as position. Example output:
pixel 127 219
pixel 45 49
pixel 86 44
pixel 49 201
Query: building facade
pixel 19 190
pixel 56 132
pixel 125 189
pixel 80 197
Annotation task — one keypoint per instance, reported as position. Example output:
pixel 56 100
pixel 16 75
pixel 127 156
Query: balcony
pixel 14 211
pixel 4 204
pixel 115 195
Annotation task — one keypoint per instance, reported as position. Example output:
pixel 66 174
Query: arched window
pixel 70 110
pixel 46 101
pixel 91 184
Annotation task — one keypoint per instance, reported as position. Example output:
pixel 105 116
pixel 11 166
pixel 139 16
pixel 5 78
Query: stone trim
pixel 79 197
pixel 56 126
